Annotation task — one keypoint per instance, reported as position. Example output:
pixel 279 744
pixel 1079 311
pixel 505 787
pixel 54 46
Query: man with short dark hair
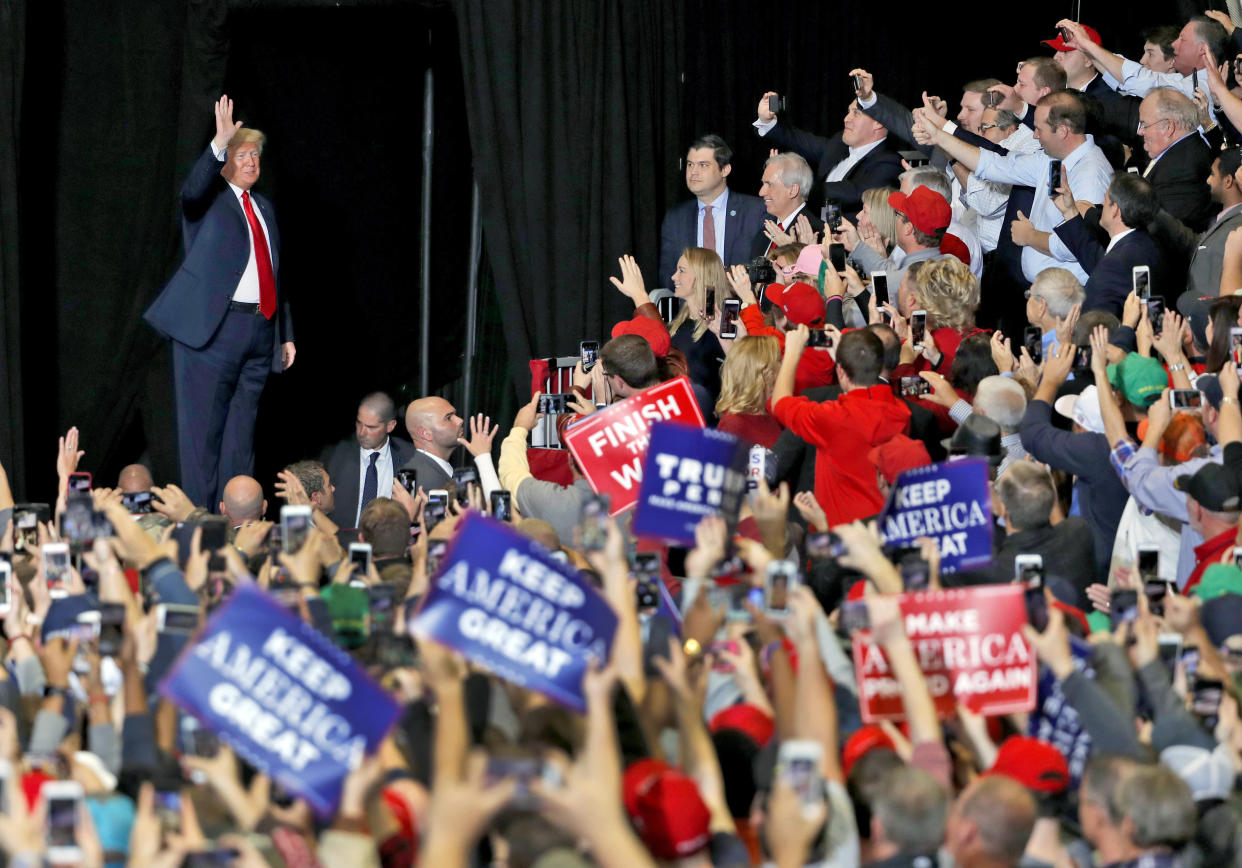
pixel 717 218
pixel 317 484
pixel 1206 252
pixel 855 159
pixel 843 431
pixel 1129 206
pixel 364 466
pixel 628 366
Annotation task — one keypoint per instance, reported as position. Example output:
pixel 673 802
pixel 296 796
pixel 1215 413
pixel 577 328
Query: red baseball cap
pixel 862 742
pixel 1035 764
pixel 955 246
pixel 924 207
pixel 897 455
pixel 1059 42
pixel 651 330
pixel 666 809
pixel 749 720
pixel 800 302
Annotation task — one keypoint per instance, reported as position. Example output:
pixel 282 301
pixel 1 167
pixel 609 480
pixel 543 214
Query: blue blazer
pixel 1109 275
pixel 744 218
pixel 216 235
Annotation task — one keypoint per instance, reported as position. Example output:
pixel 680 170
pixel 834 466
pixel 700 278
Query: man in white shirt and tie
pixel 363 466
pixel 786 180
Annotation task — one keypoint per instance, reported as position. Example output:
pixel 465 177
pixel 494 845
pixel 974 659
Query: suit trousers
pixel 218 389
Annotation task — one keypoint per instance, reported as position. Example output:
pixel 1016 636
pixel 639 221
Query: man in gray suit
pixel 364 466
pixel 1206 252
pixel 436 430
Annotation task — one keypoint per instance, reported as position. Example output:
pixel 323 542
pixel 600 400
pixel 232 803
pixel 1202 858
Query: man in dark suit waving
pixel 223 310
pixel 717 218
pixel 365 465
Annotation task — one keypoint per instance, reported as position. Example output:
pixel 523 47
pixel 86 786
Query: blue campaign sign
pixel 284 697
pixel 950 502
pixel 1055 721
pixel 503 602
pixel 689 473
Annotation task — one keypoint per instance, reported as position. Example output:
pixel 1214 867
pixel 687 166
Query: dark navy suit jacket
pixel 1110 274
pixel 217 247
pixel 744 216
pixel 344 468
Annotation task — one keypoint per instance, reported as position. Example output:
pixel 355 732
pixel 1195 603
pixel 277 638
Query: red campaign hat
pixel 749 720
pixel 924 207
pixel 897 455
pixel 1075 613
pixel 800 302
pixel 1035 764
pixel 1059 42
pixel 651 330
pixel 862 742
pixel 954 246
pixel 666 809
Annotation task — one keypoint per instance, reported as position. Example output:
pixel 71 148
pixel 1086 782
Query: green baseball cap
pixel 1218 579
pixel 1140 379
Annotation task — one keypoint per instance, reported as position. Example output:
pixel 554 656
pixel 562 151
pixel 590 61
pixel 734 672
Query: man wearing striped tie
pixel 223 310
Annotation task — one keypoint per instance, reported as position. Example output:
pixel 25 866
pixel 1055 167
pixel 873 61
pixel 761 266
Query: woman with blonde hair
pixel 949 293
pixel 746 382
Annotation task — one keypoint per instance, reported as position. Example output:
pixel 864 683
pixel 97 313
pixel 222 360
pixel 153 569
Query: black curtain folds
pixel 573 111
pixel 12 65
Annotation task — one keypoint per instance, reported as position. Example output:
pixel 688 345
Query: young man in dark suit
pixel 1129 206
pixel 360 479
pixel 223 310
pixel 731 219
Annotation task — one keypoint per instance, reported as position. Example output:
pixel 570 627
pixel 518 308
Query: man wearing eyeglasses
pixel 1180 159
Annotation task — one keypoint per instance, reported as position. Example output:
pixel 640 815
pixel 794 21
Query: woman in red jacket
pixel 746 382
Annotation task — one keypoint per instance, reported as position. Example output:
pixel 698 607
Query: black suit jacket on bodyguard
pixel 344 469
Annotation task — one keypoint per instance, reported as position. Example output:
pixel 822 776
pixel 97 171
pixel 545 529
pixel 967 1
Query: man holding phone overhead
pixel 228 320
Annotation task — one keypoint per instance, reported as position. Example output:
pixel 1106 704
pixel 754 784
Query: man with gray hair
pixel 1180 157
pixel 990 823
pixel 787 182
pixel 1055 292
pixel 908 818
pixel 1002 400
pixel 359 478
pixel 1131 811
pixel 855 159
pixel 1026 496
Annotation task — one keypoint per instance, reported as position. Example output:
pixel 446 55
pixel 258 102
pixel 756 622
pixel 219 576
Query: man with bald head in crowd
pixel 436 430
pixel 242 501
pixel 990 823
pixel 133 478
pixel 363 467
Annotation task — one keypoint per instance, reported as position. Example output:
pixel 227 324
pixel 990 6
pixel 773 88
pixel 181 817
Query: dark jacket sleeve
pixel 816 149
pixel 1172 723
pixel 1167 231
pixel 1081 242
pixel 895 118
pixel 1111 729
pixel 1084 455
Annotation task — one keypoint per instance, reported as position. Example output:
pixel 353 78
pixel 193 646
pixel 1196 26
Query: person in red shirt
pixel 746 381
pixel 843 431
pixel 1213 502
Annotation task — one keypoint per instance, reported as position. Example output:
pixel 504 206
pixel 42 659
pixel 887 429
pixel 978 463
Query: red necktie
pixel 709 228
pixel 262 259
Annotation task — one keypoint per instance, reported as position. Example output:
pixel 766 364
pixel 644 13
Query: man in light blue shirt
pixel 1060 129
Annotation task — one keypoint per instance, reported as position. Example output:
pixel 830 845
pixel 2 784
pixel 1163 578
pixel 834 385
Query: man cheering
pixel 223 310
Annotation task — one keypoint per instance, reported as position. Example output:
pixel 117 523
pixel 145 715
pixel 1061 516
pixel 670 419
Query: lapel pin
pixel 732 213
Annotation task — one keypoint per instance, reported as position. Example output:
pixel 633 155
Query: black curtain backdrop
pixel 573 114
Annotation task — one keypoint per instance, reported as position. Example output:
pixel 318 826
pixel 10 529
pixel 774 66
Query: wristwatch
pixel 54 690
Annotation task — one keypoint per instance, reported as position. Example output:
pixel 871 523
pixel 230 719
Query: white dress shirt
pixel 1112 242
pixel 383 471
pixel 248 286
pixel 841 169
pixel 1089 175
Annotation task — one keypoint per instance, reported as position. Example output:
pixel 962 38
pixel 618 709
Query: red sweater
pixel 752 427
pixel 843 432
pixel 1207 553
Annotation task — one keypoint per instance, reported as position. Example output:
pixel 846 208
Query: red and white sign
pixel 610 444
pixel 970 647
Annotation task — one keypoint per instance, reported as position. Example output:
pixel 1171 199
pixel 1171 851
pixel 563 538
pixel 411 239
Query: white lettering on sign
pixel 634 426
